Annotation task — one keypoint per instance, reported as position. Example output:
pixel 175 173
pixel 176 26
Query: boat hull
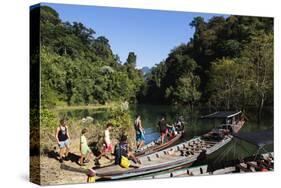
pixel 149 171
pixel 153 147
pixel 165 159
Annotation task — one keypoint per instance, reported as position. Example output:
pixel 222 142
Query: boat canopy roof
pixel 259 138
pixel 222 114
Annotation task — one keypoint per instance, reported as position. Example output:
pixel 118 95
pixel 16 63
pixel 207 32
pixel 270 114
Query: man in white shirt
pixel 107 145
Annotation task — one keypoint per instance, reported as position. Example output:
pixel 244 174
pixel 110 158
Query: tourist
pixel 123 153
pixel 163 129
pixel 107 145
pixel 139 132
pixel 62 137
pixel 107 141
pixel 171 131
pixel 179 124
pixel 84 148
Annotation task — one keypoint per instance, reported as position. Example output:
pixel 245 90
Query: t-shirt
pixel 107 137
pixel 124 148
pixel 83 141
pixel 162 125
pixel 84 145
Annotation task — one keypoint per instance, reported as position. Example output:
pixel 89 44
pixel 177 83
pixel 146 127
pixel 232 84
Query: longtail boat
pixel 183 154
pixel 153 146
pixel 254 163
pixel 232 121
pixel 184 172
pixel 156 145
pixel 249 164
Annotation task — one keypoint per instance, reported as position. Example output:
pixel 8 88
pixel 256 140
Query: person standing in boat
pixel 163 128
pixel 139 132
pixel 62 136
pixel 172 132
pixel 179 124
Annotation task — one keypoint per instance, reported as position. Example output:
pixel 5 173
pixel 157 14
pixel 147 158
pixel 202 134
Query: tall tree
pixel 186 91
pixel 223 84
pixel 132 59
pixel 259 53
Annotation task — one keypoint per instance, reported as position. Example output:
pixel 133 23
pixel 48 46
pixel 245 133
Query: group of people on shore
pixel 121 151
pixel 63 140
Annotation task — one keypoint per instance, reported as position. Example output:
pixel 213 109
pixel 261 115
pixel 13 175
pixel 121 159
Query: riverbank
pixel 46 169
pixel 52 172
pixel 90 106
pixel 118 115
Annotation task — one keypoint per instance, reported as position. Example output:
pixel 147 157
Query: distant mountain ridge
pixel 145 70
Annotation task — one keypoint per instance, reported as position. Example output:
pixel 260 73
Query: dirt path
pixel 52 172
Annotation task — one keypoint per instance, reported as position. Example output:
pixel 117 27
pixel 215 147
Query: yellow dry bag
pixel 125 162
pixel 91 179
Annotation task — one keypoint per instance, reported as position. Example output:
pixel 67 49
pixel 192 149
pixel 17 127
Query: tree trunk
pixel 260 109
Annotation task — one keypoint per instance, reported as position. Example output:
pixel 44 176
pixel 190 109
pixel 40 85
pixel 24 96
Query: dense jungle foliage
pixel 227 64
pixel 79 68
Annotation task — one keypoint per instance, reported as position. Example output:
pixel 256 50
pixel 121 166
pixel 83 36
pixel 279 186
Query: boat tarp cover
pixel 222 114
pixel 260 138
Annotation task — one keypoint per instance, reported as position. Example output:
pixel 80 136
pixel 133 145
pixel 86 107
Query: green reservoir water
pixel 150 114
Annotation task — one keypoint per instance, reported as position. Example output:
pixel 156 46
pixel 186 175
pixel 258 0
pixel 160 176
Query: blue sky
pixel 151 34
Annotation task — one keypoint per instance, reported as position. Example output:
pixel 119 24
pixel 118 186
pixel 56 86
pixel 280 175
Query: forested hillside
pixel 227 64
pixel 80 68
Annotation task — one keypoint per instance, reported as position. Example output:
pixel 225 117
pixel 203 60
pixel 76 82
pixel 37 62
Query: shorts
pixel 139 136
pixel 64 144
pixel 164 132
pixel 107 148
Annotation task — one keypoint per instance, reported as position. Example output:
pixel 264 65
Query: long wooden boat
pixel 253 163
pixel 249 164
pixel 150 148
pixel 184 172
pixel 232 121
pixel 156 145
pixel 183 154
